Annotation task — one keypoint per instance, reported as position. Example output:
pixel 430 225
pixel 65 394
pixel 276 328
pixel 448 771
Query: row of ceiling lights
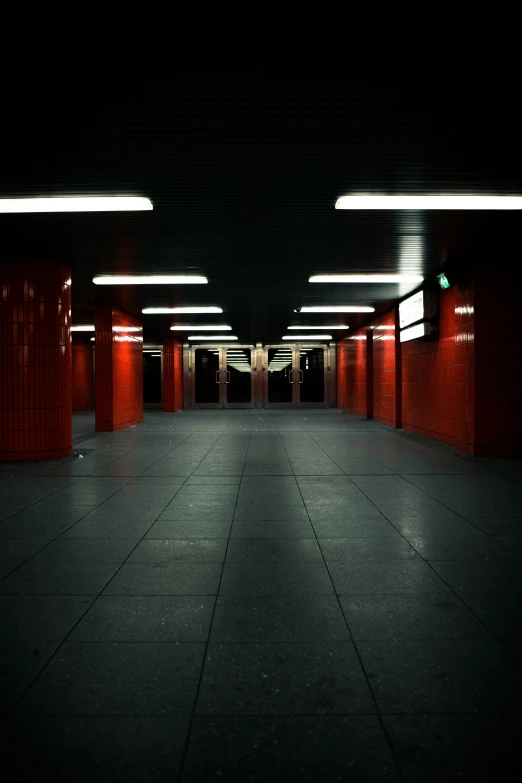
pixel 187 279
pixel 351 202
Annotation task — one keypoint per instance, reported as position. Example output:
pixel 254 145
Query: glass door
pixel 312 377
pixel 206 377
pixel 294 376
pixel 238 375
pixel 222 376
pixel 278 371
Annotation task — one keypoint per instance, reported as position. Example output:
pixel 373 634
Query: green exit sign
pixel 443 281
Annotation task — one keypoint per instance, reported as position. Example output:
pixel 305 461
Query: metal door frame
pixel 264 373
pixel 326 349
pixel 296 400
pixel 253 372
pixel 190 376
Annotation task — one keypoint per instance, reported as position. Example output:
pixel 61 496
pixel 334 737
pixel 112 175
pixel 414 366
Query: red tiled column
pixel 119 369
pixel 35 361
pixel 82 376
pixel 172 375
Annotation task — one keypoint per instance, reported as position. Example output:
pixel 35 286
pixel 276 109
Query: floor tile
pixel 110 527
pixel 242 528
pixel 275 577
pixel 312 678
pixel 166 579
pixel 460 548
pixel 20 664
pixel 498 610
pixel 435 676
pixel 314 750
pixel 86 550
pixel 472 576
pixel 386 576
pixel 448 748
pixel 196 550
pixel 95 678
pixel 272 549
pixel 126 618
pixel 63 578
pixel 45 618
pixel 278 618
pixel 120 749
pixel 348 550
pixel 206 528
pixel 405 616
pixel 270 512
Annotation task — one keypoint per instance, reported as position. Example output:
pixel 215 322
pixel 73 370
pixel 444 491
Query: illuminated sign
pixel 443 280
pixel 411 309
pixel 413 332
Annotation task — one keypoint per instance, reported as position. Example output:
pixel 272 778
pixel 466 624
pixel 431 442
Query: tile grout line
pixel 356 650
pixel 205 652
pixel 13 709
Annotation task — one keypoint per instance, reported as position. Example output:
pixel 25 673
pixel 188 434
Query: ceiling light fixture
pixel 211 327
pixel 186 310
pixel 317 327
pixel 149 280
pixel 75 204
pixel 402 278
pixel 307 337
pixel 427 201
pixel 211 337
pixel 337 309
pixel 83 328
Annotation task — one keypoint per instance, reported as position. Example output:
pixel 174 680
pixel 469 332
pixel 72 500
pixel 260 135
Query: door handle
pixel 228 373
pixel 302 376
pixel 217 377
pixel 290 373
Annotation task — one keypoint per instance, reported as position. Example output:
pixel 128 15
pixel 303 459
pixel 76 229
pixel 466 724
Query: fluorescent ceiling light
pixel 307 337
pixel 337 309
pixel 149 280
pixel 402 278
pixel 92 339
pixel 317 327
pixel 211 327
pixel 164 310
pixel 155 354
pixel 84 328
pixel 150 350
pixel 427 201
pixel 211 337
pixel 76 204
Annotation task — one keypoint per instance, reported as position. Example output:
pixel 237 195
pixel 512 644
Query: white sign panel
pixel 414 332
pixel 411 309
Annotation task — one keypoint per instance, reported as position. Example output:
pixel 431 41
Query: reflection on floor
pixel 260 596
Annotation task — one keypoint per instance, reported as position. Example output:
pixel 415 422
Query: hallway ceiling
pixel 243 131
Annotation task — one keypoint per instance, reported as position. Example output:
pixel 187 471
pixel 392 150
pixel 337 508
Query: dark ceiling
pixel 243 131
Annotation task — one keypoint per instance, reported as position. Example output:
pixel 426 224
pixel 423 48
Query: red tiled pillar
pixel 119 369
pixel 82 376
pixel 172 375
pixel 35 361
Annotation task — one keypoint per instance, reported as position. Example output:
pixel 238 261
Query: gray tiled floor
pixel 260 596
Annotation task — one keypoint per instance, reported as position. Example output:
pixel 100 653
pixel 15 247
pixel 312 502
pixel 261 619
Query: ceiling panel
pixel 244 130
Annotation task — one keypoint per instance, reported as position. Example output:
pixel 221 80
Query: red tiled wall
pixel 385 370
pixel 438 376
pixel 82 376
pixel 172 375
pixel 498 365
pixel 119 369
pixel 35 361
pixel 352 373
